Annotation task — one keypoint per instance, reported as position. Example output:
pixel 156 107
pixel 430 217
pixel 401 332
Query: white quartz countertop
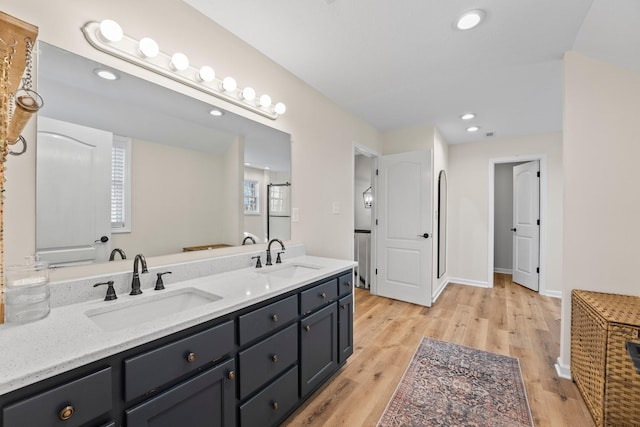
pixel 68 338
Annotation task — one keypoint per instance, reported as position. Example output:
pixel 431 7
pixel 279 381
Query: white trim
pixel 542 159
pixel 503 270
pixel 373 154
pixel 126 143
pixel 562 370
pixel 468 282
pixel 552 294
pixel 440 290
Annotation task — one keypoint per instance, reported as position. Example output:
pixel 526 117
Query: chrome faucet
pixel 117 251
pixel 269 250
pixel 244 242
pixel 135 283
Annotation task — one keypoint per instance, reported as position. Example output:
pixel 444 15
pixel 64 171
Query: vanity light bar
pixel 176 67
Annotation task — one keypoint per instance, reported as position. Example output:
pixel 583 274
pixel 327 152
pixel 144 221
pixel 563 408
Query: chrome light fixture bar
pixel 108 37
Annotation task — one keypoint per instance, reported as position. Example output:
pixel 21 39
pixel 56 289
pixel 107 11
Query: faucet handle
pixel 111 293
pixel 159 282
pixel 278 260
pixel 258 263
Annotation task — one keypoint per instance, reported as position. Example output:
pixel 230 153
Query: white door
pixel 73 193
pixel 404 241
pixel 526 230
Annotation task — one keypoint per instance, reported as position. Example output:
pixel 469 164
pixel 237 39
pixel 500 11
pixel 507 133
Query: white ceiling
pixel 401 64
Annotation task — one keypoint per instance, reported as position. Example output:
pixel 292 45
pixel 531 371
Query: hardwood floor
pixel 507 319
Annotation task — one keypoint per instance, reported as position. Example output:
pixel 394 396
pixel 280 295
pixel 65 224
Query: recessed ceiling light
pixel 473 129
pixel 247 164
pixel 216 113
pixel 105 74
pixel 469 19
pixel 267 168
pixel 467 116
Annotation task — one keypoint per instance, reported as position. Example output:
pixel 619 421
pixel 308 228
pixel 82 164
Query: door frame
pixel 542 160
pixel 373 155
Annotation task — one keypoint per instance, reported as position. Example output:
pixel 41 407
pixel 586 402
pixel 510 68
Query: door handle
pixel 425 235
pixel 103 239
pixel 513 229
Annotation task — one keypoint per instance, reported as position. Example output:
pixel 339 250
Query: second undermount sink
pixel 146 309
pixel 289 271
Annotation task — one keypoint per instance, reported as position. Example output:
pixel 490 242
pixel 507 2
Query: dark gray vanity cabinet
pixel 208 399
pixel 252 367
pixel 345 328
pixel 318 347
pixel 73 403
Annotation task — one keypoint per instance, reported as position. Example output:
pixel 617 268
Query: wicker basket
pixel 601 324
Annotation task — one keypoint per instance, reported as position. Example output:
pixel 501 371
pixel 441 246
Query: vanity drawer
pixel 268 358
pixel 345 284
pixel 150 370
pixel 318 296
pixel 269 406
pixel 267 319
pixel 72 404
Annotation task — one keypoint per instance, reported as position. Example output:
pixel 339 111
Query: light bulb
pixel 229 84
pixel 248 94
pixel 265 101
pixel 110 31
pixel 179 61
pixel 280 108
pixel 206 74
pixel 469 19
pixel 148 47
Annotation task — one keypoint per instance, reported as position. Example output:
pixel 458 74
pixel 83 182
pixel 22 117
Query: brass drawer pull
pixel 274 317
pixel 66 412
pixel 307 328
pixel 323 295
pixel 274 357
pixel 275 405
pixel 191 357
pixel 231 375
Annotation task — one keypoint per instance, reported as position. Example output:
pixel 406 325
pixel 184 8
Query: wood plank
pixel 388 332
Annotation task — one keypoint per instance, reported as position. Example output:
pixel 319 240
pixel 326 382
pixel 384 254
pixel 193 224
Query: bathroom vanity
pixel 251 346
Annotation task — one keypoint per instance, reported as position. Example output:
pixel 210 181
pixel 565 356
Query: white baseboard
pixel 562 370
pixel 439 291
pixel 552 294
pixel 503 270
pixel 469 282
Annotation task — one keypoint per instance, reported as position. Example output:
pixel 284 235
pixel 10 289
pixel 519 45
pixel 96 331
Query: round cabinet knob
pixel 274 357
pixel 191 357
pixel 274 317
pixel 231 375
pixel 66 412
pixel 275 405
pixel 307 328
pixel 323 295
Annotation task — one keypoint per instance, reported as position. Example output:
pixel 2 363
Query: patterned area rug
pixel 451 385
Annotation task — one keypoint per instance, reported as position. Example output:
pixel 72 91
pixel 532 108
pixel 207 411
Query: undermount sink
pixel 149 308
pixel 289 271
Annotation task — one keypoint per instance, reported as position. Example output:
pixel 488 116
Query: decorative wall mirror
pixel 188 164
pixel 442 223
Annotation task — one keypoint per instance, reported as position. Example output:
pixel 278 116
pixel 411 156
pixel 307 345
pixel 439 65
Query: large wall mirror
pixel 188 169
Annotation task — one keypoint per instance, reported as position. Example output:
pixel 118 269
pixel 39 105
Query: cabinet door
pixel 318 347
pixel 206 400
pixel 345 328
